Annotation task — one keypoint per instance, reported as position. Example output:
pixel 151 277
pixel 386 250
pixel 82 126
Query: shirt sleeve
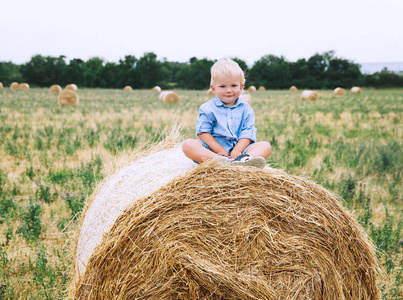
pixel 204 121
pixel 248 130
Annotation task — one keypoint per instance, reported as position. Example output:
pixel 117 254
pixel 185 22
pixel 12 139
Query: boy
pixel 226 124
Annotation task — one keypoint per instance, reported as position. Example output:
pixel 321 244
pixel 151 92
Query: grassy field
pixel 52 158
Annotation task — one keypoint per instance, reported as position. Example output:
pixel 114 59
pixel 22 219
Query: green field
pixel 53 156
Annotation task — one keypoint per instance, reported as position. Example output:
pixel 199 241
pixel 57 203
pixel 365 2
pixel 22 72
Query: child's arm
pixel 239 147
pixel 212 143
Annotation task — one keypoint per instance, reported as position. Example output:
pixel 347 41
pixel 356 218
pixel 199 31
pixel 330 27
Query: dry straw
pixel 252 89
pixel 309 95
pixel 293 88
pixel 169 97
pixel 68 97
pixel 246 98
pixel 127 88
pixel 162 227
pixel 1 85
pixel 55 89
pixel 14 86
pixel 71 87
pixel 261 89
pixel 156 89
pixel 339 91
pixel 23 86
pixel 356 90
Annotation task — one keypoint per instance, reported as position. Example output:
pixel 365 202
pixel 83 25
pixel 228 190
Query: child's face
pixel 227 88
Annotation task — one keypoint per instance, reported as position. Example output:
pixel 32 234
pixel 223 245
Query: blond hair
pixel 227 67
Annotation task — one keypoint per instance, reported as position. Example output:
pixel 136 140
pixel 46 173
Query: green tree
pixel 9 72
pixel 271 71
pixel 195 75
pixel 127 74
pixel 44 70
pixel 151 71
pixel 74 72
pixel 92 72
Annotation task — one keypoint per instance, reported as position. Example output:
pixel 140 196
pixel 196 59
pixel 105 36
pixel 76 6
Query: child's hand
pixel 222 153
pixel 235 153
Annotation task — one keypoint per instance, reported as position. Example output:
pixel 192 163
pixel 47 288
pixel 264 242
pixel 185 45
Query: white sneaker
pixel 222 159
pixel 247 160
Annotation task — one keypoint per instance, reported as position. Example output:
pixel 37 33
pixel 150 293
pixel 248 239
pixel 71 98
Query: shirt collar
pixel 218 102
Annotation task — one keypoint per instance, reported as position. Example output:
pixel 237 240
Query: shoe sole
pixel 257 162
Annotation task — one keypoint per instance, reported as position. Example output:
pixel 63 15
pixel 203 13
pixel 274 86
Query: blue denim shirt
pixel 227 124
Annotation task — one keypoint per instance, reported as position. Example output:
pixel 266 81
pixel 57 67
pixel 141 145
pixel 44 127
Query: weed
pixel 31 226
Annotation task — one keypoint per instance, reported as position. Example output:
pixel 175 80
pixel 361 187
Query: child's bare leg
pixel 260 149
pixel 195 151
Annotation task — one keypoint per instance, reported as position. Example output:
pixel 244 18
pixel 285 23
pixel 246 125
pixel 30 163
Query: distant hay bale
pixel 162 227
pixel 55 89
pixel 356 90
pixel 169 97
pixel 71 87
pixel 210 92
pixel 68 97
pixel 1 85
pixel 14 86
pixel 127 88
pixel 23 86
pixel 252 89
pixel 339 91
pixel 293 88
pixel 261 89
pixel 309 95
pixel 246 97
pixel 156 89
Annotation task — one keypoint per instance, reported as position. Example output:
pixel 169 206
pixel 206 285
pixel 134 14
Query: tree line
pixel 321 71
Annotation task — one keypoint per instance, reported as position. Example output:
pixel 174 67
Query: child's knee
pixel 188 145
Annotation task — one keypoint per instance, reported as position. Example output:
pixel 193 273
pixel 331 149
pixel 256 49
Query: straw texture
pixel 252 89
pixel 309 95
pixel 339 91
pixel 1 85
pixel 218 231
pixel 23 86
pixel 169 97
pixel 68 97
pixel 127 88
pixel 14 86
pixel 71 87
pixel 55 89
pixel 156 89
pixel 293 89
pixel 261 89
pixel 356 90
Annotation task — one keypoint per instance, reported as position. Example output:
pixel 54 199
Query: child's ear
pixel 212 88
pixel 242 87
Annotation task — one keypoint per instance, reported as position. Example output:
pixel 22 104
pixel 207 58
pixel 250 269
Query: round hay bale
pixel 261 89
pixel 14 86
pixel 71 87
pixel 309 95
pixel 293 88
pixel 339 91
pixel 356 90
pixel 23 86
pixel 210 92
pixel 246 97
pixel 159 227
pixel 68 97
pixel 156 89
pixel 1 85
pixel 169 97
pixel 55 89
pixel 127 88
pixel 252 89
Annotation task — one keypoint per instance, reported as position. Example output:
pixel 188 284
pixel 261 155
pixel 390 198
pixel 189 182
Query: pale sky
pixel 358 30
